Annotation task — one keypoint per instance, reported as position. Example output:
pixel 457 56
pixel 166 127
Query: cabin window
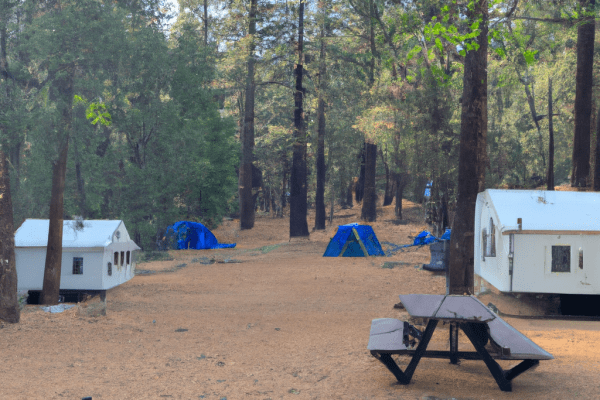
pixel 109 268
pixel 77 265
pixel 561 259
pixel 116 259
pixel 128 257
pixel 122 258
pixel 489 240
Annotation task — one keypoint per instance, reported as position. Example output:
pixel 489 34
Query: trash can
pixel 440 252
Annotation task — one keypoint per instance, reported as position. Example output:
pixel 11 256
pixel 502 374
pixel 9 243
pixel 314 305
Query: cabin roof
pixel 95 233
pixel 543 210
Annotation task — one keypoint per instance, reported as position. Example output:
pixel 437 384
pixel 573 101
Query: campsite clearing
pixel 286 323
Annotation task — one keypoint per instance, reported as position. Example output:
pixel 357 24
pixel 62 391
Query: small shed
pixel 536 241
pixel 97 254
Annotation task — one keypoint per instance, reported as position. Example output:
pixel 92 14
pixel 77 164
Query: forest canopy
pixel 156 132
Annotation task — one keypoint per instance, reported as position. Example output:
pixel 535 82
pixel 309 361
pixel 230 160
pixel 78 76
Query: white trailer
pixel 536 241
pixel 97 255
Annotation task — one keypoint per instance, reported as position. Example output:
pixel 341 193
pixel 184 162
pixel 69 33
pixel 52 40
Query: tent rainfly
pixel 96 254
pixel 192 235
pixel 538 241
pixel 354 240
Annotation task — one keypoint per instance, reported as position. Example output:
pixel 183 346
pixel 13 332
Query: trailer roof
pixel 95 233
pixel 544 210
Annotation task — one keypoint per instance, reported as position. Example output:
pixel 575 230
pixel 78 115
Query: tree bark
pixel 245 177
pixel 388 197
pixel 284 181
pixel 597 160
pixel 80 184
pixel 52 269
pixel 9 304
pixel 369 205
pixel 206 22
pixel 298 197
pixel 534 116
pixel 550 173
pixel 320 213
pixel 349 194
pixel 400 184
pixel 583 99
pixel 472 157
pixel 359 188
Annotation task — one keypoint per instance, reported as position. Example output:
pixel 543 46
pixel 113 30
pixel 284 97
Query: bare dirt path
pixel 280 323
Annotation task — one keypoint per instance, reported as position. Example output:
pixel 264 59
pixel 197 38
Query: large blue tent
pixel 354 240
pixel 192 235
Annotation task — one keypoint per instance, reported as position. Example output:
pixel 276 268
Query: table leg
pixel 421 348
pixel 497 371
pixel 453 343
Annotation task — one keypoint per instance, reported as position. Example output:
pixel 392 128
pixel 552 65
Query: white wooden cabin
pixel 536 241
pixel 97 256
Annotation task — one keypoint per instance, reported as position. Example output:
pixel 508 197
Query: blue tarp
pixel 421 239
pixel 346 241
pixel 192 235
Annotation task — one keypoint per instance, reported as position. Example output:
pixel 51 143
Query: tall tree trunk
pixel 349 193
pixel 530 94
pixel 400 184
pixel 245 178
pixel 206 22
pixel 372 42
pixel 388 197
pixel 583 99
pixel 320 213
pixel 550 173
pixel 472 156
pixel 359 188
pixel 284 181
pixel 52 269
pixel 9 304
pixel 80 183
pixel 597 160
pixel 298 198
pixel 369 205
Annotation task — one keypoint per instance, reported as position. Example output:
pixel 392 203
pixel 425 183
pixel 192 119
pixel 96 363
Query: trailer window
pixel 77 265
pixel 109 268
pixel 561 258
pixel 489 240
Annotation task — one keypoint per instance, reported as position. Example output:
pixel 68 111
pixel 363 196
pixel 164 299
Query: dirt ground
pixel 272 319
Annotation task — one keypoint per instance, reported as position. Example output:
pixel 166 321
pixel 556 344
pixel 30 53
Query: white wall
pixel 120 273
pixel 31 261
pixel 533 264
pixel 492 269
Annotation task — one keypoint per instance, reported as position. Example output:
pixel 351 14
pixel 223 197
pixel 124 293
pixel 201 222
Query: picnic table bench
pixel 493 338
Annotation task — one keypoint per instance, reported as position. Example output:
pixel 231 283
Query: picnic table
pixel 492 337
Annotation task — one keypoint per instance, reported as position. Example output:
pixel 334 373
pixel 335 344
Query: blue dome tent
pixel 192 235
pixel 354 240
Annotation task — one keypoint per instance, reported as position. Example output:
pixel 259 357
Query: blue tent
pixel 192 235
pixel 354 240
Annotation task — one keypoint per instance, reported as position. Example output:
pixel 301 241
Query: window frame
pixel 565 267
pixel 77 266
